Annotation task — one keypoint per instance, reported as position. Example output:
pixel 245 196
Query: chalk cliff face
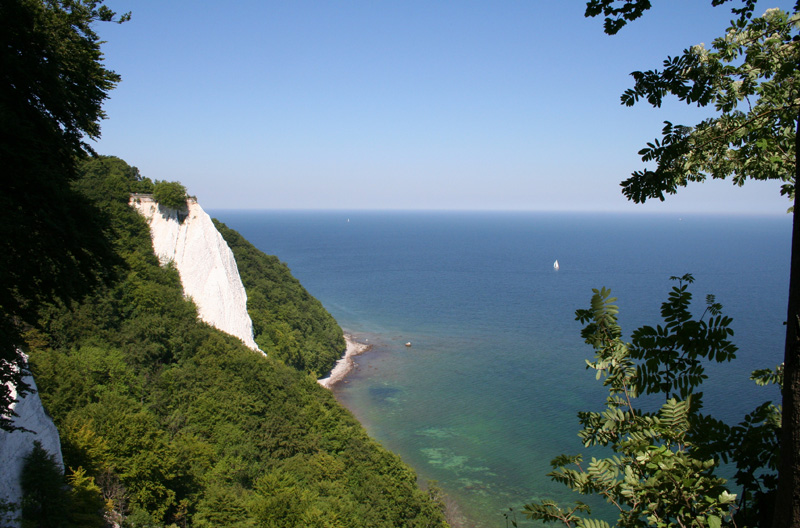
pixel 15 446
pixel 205 262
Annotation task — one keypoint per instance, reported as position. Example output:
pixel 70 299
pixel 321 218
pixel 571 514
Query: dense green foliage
pixel 179 423
pixel 170 194
pixel 665 463
pixel 288 323
pixel 52 85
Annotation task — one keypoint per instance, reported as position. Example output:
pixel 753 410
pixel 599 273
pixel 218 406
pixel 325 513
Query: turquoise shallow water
pixel 489 391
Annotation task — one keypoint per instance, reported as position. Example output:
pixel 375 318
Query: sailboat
pixel 555 265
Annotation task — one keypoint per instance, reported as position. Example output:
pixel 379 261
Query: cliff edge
pixel 204 261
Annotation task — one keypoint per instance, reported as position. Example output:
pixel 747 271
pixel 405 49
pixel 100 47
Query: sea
pixel 489 390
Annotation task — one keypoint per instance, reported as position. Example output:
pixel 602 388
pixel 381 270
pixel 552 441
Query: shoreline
pixel 346 364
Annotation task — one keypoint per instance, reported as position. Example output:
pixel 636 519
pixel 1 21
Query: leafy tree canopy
pixel 664 468
pixel 749 76
pixel 170 194
pixel 51 94
pixel 619 12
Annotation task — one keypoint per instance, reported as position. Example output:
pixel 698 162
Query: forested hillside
pixel 173 422
pixel 288 323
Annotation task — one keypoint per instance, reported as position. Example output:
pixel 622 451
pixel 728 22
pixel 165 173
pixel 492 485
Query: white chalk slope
pixel 15 446
pixel 205 262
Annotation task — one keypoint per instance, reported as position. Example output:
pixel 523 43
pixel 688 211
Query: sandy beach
pixel 344 365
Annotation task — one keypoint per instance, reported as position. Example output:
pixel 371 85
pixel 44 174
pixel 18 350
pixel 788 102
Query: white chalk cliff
pixel 16 445
pixel 205 262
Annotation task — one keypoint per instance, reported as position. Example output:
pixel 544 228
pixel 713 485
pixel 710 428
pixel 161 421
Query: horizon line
pixel 510 211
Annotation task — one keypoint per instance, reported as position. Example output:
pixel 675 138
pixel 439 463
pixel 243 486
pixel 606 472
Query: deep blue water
pixel 489 391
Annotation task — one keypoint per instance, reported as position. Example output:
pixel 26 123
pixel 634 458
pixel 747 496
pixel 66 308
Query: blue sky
pixel 357 104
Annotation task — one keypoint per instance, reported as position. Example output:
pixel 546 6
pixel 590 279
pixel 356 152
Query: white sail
pixel 555 265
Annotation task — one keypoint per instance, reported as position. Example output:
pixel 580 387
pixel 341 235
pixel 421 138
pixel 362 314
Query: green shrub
pixel 170 194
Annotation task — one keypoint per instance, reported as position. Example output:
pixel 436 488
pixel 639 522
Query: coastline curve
pixel 346 364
